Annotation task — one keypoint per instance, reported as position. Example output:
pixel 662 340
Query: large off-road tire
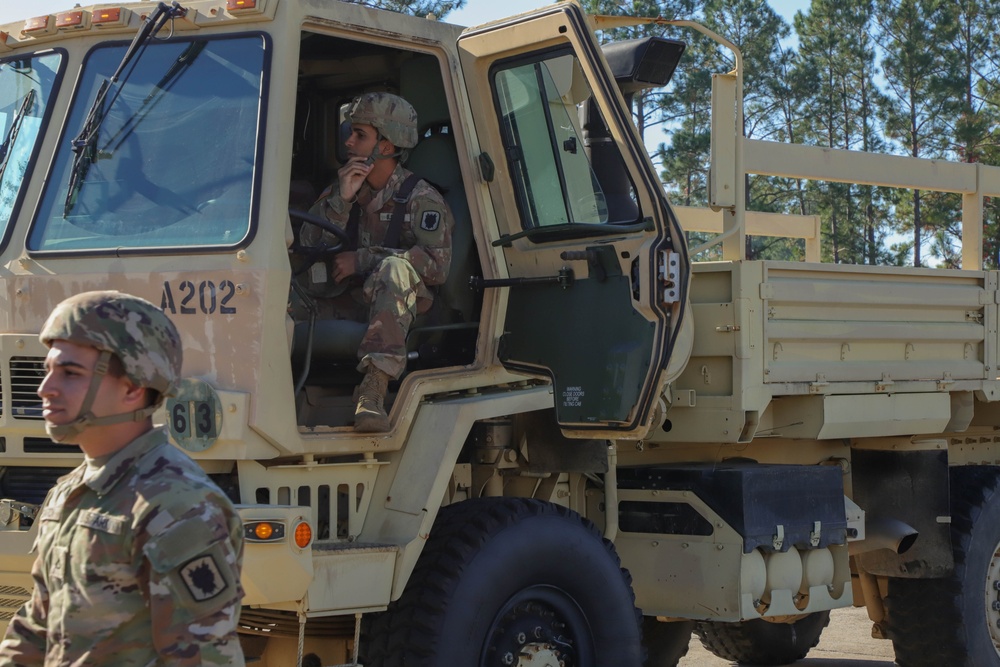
pixel 759 642
pixel 666 643
pixel 502 577
pixel 954 621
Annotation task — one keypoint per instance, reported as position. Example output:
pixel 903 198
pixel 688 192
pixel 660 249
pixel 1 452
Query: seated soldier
pixel 400 230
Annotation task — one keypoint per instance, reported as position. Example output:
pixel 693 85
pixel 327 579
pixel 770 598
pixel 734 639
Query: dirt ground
pixel 846 642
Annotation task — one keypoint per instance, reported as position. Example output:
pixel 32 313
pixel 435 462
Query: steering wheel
pixel 320 252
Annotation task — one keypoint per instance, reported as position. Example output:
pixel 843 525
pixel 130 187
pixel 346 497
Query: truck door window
pixel 174 153
pixel 27 85
pixel 550 131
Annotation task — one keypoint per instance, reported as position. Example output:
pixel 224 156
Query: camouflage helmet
pixel 133 329
pixel 390 114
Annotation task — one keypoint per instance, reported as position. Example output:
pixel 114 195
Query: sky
pixel 474 12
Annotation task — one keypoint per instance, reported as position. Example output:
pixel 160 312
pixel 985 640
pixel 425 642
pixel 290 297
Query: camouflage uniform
pixel 139 561
pixel 139 553
pixel 396 280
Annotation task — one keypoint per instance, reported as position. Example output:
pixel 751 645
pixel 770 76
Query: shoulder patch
pixel 202 578
pixel 430 221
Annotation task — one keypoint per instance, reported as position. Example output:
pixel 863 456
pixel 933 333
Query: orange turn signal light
pixel 303 535
pixel 274 531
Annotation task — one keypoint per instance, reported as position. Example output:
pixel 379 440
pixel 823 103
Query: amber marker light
pixel 107 15
pixel 232 5
pixel 303 535
pixel 263 531
pixel 37 24
pixel 69 19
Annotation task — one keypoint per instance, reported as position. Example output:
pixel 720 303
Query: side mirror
pixel 643 63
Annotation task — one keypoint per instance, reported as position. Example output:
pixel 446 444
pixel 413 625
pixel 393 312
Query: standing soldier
pixel 400 231
pixel 138 552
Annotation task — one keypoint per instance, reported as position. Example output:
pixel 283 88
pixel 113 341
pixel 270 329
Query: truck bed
pixel 804 350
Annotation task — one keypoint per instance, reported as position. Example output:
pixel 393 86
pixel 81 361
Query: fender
pixel 409 491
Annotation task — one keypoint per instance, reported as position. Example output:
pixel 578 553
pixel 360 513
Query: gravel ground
pixel 846 642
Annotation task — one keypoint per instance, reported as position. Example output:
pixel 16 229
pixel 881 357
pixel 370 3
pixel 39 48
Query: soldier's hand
pixel 352 175
pixel 345 265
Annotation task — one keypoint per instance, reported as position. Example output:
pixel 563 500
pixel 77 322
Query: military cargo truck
pixel 598 446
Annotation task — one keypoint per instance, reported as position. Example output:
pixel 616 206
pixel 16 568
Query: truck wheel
pixel 666 643
pixel 510 581
pixel 759 642
pixel 954 621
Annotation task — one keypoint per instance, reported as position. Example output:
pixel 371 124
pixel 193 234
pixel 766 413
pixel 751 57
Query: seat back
pixel 435 159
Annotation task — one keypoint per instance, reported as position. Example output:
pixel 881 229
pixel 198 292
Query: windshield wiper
pixel 166 82
pixel 85 144
pixel 15 127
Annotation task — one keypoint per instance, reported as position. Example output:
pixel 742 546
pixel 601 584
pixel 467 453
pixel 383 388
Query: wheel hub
pixel 537 655
pixel 992 598
pixel 532 633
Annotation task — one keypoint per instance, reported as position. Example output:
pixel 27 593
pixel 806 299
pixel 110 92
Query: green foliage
pixel 648 107
pixel 923 81
pixel 909 77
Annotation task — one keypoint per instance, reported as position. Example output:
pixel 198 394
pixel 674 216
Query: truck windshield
pixel 172 164
pixel 26 88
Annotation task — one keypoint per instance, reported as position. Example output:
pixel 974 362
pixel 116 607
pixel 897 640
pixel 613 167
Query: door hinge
pixel 670 276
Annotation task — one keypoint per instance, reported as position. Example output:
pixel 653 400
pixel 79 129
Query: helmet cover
pixel 391 115
pixel 133 329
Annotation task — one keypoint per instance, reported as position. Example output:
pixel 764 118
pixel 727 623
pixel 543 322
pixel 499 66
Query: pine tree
pixel 923 84
pixel 684 161
pixel 647 105
pixel 757 30
pixel 837 57
pixel 974 135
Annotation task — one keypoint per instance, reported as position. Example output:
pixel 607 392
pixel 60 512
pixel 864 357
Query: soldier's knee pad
pixel 396 272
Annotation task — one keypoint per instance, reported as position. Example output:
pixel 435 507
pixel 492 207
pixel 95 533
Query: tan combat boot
pixel 370 415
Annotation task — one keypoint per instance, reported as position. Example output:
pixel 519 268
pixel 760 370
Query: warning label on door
pixel 573 397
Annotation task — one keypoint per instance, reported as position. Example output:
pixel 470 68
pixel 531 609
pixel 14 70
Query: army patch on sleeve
pixel 202 578
pixel 430 221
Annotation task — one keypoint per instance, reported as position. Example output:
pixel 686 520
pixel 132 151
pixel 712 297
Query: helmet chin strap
pixel 386 157
pixel 67 433
pixel 378 156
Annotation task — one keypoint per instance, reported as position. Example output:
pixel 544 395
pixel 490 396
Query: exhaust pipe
pixel 890 534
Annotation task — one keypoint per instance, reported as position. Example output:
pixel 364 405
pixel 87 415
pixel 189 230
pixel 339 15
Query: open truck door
pixel 596 265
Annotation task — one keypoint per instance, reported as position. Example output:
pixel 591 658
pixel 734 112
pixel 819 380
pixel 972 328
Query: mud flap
pixel 911 487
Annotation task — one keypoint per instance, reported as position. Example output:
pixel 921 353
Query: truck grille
pixel 46 446
pixel 11 599
pixel 26 374
pixel 28 484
